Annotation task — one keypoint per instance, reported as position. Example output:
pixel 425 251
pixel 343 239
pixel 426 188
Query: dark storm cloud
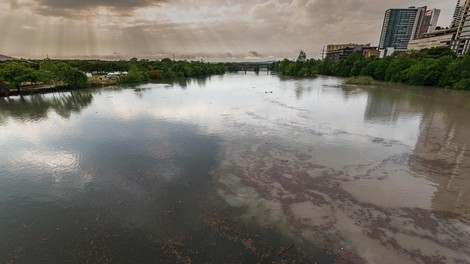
pixel 78 4
pixel 225 29
pixel 254 54
pixel 68 7
pixel 13 4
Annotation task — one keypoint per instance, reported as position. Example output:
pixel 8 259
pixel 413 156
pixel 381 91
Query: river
pixel 239 168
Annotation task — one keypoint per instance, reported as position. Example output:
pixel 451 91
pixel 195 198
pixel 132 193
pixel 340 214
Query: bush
pixel 156 75
pixel 361 80
pixel 462 85
pixel 4 90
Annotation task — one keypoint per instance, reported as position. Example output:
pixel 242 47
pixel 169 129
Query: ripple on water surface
pixel 221 170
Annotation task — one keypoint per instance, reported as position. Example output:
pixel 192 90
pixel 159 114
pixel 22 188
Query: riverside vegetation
pixel 71 73
pixel 361 80
pixel 429 67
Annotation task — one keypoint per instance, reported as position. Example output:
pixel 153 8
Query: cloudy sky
pixel 192 29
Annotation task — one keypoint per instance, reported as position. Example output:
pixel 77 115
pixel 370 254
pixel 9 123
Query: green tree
pixel 358 66
pixel 463 84
pixel 15 73
pixel 4 89
pixel 302 56
pixel 71 76
pixel 134 75
pixel 428 71
pixel 156 75
pixel 48 72
pixel 76 78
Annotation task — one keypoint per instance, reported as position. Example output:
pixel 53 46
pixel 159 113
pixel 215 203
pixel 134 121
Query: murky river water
pixel 236 169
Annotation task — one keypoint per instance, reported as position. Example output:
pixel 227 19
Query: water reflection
pixel 222 170
pixel 36 107
pixel 302 86
pixel 184 83
pixel 343 181
pixel 381 106
pixel 442 155
pixel 441 151
pixel 126 173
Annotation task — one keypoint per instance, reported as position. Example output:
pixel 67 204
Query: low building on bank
pixel 388 52
pixel 438 38
pixel 6 58
pixel 336 52
pixel 372 53
pixel 116 74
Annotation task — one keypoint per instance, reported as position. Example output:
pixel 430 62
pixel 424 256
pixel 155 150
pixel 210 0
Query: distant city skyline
pixel 213 30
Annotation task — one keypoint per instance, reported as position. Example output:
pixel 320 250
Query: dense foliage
pixel 18 73
pixel 361 80
pixel 429 67
pixel 302 67
pixel 51 72
pixel 148 70
pixel 71 73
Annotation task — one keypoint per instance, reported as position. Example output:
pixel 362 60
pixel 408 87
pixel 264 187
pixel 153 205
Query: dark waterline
pixel 235 169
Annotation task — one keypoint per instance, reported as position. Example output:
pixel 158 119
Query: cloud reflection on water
pixel 381 171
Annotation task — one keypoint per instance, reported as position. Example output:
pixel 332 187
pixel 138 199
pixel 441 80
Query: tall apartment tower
pixel 457 13
pixel 462 43
pixel 429 23
pixel 400 26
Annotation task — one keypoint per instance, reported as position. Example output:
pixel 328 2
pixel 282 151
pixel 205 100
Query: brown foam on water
pixel 379 211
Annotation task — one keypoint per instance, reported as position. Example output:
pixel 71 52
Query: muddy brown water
pixel 240 168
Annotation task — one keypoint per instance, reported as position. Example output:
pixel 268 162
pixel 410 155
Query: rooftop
pixel 6 58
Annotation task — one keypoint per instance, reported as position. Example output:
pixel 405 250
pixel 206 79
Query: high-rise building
pixel 429 22
pixel 461 44
pixel 457 14
pixel 400 26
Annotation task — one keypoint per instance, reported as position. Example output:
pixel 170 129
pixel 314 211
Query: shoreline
pixel 46 90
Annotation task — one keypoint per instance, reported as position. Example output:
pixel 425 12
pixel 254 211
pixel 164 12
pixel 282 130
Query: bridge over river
pixel 254 66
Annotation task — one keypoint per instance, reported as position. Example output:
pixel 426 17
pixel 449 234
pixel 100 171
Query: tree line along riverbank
pixel 20 76
pixel 430 67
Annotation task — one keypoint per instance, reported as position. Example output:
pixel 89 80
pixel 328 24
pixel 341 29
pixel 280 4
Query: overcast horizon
pixel 213 30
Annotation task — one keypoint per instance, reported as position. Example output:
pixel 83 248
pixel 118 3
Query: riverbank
pixel 28 90
pixel 439 67
pixel 361 80
pixel 44 89
pixel 72 73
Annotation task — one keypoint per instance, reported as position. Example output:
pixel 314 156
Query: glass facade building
pixel 429 22
pixel 458 13
pixel 462 43
pixel 400 26
pixel 464 27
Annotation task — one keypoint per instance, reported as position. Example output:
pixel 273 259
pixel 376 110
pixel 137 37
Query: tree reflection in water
pixel 36 107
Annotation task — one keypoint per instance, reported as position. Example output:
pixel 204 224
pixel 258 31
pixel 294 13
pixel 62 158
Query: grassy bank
pixel 361 80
